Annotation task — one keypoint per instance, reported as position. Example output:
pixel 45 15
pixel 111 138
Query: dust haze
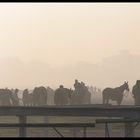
pixel 51 44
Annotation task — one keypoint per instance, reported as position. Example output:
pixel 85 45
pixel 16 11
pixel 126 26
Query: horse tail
pixel 103 100
pixel 103 95
pixel 55 99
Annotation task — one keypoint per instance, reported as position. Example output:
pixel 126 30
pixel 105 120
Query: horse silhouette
pixel 50 96
pixel 7 98
pixel 80 97
pixel 27 98
pixel 62 96
pixel 39 96
pixel 114 93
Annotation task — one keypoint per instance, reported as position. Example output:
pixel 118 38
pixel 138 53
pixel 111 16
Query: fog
pixel 51 44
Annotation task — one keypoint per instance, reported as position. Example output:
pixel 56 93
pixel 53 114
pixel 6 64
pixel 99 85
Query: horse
pixel 14 97
pixel 62 97
pixel 87 98
pixel 25 98
pixel 136 92
pixel 5 99
pixel 50 96
pixel 8 98
pixel 114 93
pixel 39 96
pixel 81 96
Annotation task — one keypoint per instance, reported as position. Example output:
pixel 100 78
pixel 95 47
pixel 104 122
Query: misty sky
pixel 54 43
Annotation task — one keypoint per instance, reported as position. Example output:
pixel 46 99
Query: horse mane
pixel 119 86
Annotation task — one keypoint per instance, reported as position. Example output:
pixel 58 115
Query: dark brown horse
pixel 27 98
pixel 62 96
pixel 7 97
pixel 39 96
pixel 81 96
pixel 114 93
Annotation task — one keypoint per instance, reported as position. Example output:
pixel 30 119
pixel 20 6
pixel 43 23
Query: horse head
pixel 126 86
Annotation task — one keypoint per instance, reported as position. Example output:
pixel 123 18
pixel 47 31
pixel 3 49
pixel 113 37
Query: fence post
pixel 129 129
pixel 22 130
pixel 108 129
pixel 46 120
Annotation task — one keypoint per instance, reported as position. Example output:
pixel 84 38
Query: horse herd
pixel 40 96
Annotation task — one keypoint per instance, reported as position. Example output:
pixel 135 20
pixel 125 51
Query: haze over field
pixel 52 44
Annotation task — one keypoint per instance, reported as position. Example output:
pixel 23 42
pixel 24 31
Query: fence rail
pixel 79 110
pixel 47 125
pixel 130 114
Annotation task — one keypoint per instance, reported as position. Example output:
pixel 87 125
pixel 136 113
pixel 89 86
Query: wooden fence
pixel 126 114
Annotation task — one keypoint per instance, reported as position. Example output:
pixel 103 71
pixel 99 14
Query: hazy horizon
pixel 55 43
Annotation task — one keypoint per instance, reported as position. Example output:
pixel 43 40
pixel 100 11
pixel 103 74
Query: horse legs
pixel 105 100
pixel 119 102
